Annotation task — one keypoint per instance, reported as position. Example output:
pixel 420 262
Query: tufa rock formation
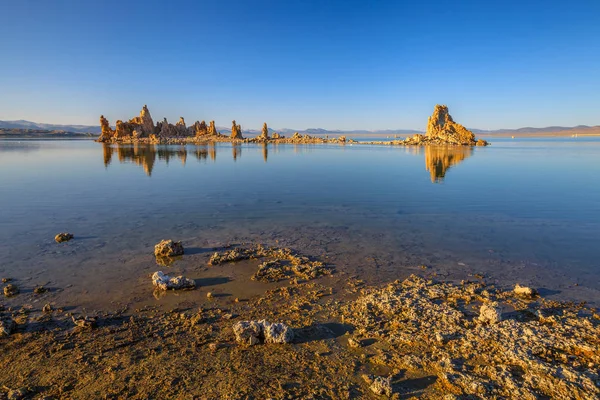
pixel 441 126
pixel 143 123
pixel 236 131
pixel 441 129
pixel 107 132
pixel 200 128
pixel 212 130
pixel 265 132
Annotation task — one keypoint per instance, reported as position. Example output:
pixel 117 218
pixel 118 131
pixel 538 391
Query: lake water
pixel 521 210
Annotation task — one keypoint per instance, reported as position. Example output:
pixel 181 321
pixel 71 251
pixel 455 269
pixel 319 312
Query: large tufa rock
pixel 255 332
pixel 212 130
pixel 265 132
pixel 441 126
pixel 236 131
pixel 124 129
pixel 200 128
pixel 142 126
pixel 107 132
pixel 168 248
pixel 165 282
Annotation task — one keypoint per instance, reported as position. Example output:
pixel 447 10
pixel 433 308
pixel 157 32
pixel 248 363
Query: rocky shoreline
pixel 441 130
pixel 417 337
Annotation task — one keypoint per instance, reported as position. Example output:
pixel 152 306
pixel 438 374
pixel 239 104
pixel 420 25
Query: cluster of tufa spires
pixel 143 126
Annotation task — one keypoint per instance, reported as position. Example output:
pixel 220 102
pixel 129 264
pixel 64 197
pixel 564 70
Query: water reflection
pixel 438 159
pixel 236 151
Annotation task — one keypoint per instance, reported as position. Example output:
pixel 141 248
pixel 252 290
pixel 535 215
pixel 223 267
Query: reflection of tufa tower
pixel 236 151
pixel 108 152
pixel 438 159
pixel 265 152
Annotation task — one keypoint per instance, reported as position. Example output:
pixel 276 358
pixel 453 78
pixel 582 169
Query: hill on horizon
pixel 95 129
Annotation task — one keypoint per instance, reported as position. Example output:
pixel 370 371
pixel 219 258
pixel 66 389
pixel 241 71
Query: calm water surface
pixel 524 210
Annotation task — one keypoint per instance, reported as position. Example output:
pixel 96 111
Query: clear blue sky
pixel 302 64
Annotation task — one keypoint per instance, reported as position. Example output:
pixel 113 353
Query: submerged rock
pixel 7 326
pixel 165 282
pixel 39 290
pixel 255 332
pixel 10 290
pixel 168 248
pixel 63 237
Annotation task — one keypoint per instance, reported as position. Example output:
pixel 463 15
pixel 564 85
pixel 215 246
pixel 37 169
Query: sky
pixel 302 64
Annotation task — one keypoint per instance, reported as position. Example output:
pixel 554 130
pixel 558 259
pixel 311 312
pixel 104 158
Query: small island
pixel 441 130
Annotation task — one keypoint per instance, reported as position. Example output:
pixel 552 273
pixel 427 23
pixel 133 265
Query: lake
pixel 520 210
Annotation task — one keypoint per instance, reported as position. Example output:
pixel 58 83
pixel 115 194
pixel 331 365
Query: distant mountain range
pixel 95 129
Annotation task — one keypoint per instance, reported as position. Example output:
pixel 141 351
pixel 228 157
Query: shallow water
pixel 521 210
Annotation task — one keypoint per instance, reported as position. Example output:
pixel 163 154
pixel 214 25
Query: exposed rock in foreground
pixel 434 327
pixel 165 282
pixel 255 332
pixel 168 248
pixel 420 339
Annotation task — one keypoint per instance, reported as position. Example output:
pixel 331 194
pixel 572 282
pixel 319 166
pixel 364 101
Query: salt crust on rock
pixel 165 282
pixel 255 332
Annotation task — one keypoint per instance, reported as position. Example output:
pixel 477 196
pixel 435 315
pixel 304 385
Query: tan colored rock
pixel 200 128
pixel 168 248
pixel 265 132
pixel 107 132
pixel 164 282
pixel 247 332
pixel 277 332
pixel 123 129
pixel 490 313
pixel 11 290
pixel 63 237
pixel 442 127
pixel 236 131
pixel 524 291
pixel 379 385
pixel 142 125
pixel 212 130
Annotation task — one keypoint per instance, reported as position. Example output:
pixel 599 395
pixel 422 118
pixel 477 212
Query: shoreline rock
pixel 168 248
pixel 63 237
pixel 164 282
